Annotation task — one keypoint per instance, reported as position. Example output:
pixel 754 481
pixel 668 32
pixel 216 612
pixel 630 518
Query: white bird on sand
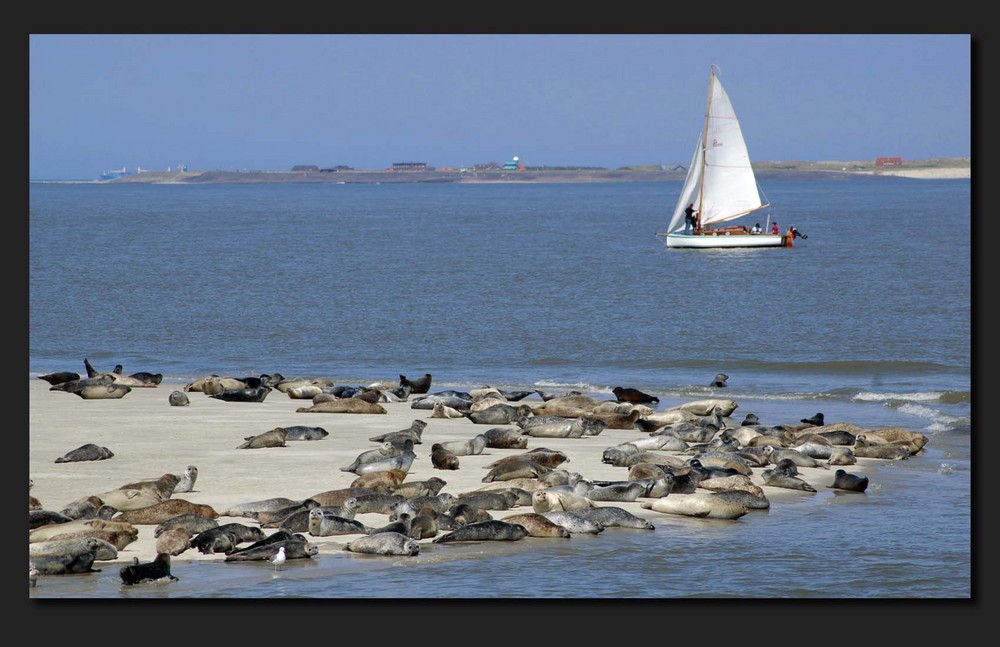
pixel 279 559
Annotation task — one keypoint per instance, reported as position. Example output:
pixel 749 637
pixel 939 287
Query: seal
pixel 719 380
pixel 326 525
pixel 574 523
pixel 843 480
pixel 505 438
pixel 418 386
pixel 154 571
pixel 129 498
pixel 464 514
pixel 343 405
pixel 413 489
pixel 443 459
pixel 775 478
pixel 414 432
pixel 384 543
pixel 87 452
pixel 178 399
pixel 384 481
pixel 842 456
pixel 488 500
pixel 626 492
pixel 516 469
pixel 442 410
pixel 706 505
pixel 164 510
pixel 559 427
pixel 401 462
pixel 225 538
pixel 302 432
pixel 102 550
pixel 243 395
pixel 628 394
pixel 59 377
pixel 542 456
pixel 162 486
pixel 252 509
pixel 548 500
pixel 500 414
pixel 294 549
pixel 39 518
pixel 173 541
pixel 614 517
pixel 618 420
pixel 186 484
pixel 424 525
pixel 491 530
pixel 63 564
pixel 273 438
pixel 303 392
pixel 400 524
pixel 274 518
pixel 98 388
pixel 440 503
pixel 383 451
pixel 815 421
pixel 538 525
pixel 470 447
pixel 427 402
pixel 192 524
pixel 707 407
pixel 750 500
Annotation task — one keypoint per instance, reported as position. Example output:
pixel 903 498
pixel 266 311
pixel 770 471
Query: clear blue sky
pixel 268 102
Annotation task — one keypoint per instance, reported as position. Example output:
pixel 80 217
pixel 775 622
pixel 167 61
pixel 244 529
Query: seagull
pixel 279 559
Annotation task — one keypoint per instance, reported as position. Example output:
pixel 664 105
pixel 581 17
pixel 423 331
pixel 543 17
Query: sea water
pixel 552 287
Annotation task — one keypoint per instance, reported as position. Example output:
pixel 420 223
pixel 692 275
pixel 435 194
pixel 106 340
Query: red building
pixel 888 161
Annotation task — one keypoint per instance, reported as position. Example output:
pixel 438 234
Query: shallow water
pixel 551 287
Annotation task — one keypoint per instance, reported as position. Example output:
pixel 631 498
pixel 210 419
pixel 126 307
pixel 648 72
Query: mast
pixel 704 136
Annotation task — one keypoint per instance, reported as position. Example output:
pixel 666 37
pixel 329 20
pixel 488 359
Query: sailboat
pixel 720 185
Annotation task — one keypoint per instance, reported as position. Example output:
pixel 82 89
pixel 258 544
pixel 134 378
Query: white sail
pixel 729 188
pixel 690 190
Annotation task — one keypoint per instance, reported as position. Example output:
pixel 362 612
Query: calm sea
pixel 553 287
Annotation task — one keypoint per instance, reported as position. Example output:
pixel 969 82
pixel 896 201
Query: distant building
pixel 305 168
pixel 513 165
pixel 888 161
pixel 336 169
pixel 410 166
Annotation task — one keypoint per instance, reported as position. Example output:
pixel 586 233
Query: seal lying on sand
pixel 88 452
pixel 492 530
pixel 626 394
pixel 384 543
pixel 698 504
pixel 273 438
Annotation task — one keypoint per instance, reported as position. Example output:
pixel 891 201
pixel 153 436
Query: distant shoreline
pixel 951 168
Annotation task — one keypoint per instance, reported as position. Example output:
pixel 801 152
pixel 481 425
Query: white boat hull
pixel 722 240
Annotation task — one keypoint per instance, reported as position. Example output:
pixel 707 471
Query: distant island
pixel 937 168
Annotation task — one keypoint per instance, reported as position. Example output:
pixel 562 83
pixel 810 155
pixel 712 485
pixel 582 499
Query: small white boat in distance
pixel 720 186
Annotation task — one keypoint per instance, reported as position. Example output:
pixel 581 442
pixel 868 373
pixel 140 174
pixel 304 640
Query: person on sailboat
pixel 775 229
pixel 688 218
pixel 756 229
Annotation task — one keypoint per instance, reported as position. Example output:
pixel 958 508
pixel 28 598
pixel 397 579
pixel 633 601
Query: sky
pixel 272 101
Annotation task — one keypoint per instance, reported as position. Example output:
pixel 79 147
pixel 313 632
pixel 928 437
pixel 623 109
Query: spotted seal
pixel 842 456
pixel 87 507
pixel 321 524
pixel 516 469
pixel 414 432
pixel 186 484
pixel 178 399
pixel 574 523
pixel 225 538
pixel 542 456
pixel 129 498
pixel 418 386
pixel 102 550
pixel 626 492
pixel 60 377
pixel 500 414
pixel 173 541
pixel 384 543
pixel 538 525
pixel 294 549
pixel 428 487
pixel 64 564
pixel 344 405
pixel 162 486
pixel 382 481
pixel 548 500
pixel 442 410
pixel 706 505
pixel 469 447
pixel 257 394
pixel 775 478
pixel 273 438
pixel 843 480
pixel 165 510
pixel 505 438
pixel 628 394
pixel 274 518
pixel 191 523
pixel 491 530
pixel 443 459
pixel 614 517
pixel 303 432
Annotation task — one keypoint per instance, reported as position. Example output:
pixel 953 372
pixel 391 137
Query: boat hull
pixel 723 240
